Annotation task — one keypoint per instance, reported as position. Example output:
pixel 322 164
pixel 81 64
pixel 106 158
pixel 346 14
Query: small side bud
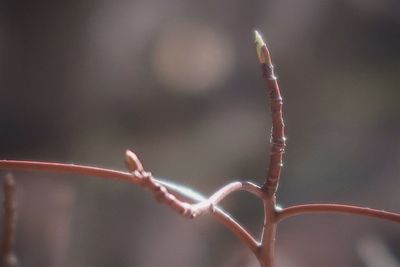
pixel 259 45
pixel 132 162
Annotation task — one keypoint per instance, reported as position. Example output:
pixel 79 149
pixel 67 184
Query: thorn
pixel 132 162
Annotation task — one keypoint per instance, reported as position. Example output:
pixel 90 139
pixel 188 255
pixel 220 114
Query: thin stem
pixel 193 210
pixel 230 223
pixel 186 209
pixel 159 188
pixel 68 168
pixel 278 140
pixel 266 255
pixel 210 204
pixel 337 208
pixel 8 257
pixel 272 216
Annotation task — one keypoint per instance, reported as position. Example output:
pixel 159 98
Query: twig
pixel 210 204
pixel 8 257
pixel 184 208
pixel 108 174
pixel 237 229
pixel 174 195
pixel 266 254
pixel 278 139
pixel 159 188
pixel 194 210
pixel 272 215
pixel 337 208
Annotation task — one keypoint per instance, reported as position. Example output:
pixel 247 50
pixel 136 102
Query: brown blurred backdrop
pixel 178 82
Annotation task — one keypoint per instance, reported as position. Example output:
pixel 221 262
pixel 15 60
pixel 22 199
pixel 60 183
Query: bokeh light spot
pixel 192 57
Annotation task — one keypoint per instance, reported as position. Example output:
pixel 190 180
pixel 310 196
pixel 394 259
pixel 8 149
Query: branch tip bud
pixel 259 45
pixel 132 162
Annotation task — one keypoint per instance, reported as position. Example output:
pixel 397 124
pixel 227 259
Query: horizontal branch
pixel 161 189
pixel 108 174
pixel 337 208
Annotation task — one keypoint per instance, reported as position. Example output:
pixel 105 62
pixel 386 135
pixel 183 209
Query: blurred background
pixel 178 82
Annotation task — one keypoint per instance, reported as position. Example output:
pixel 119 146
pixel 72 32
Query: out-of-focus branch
pixel 337 208
pixel 374 252
pixel 8 258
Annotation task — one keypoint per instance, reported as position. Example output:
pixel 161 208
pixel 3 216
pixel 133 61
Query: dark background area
pixel 178 82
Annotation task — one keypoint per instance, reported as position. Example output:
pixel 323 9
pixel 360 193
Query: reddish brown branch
pixel 210 204
pixel 67 168
pixel 159 188
pixel 337 208
pixel 8 257
pixel 230 223
pixel 266 254
pixel 186 209
pixel 194 210
pixel 277 140
pixel 174 196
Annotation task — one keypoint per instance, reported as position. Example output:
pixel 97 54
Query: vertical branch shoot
pixel 277 140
